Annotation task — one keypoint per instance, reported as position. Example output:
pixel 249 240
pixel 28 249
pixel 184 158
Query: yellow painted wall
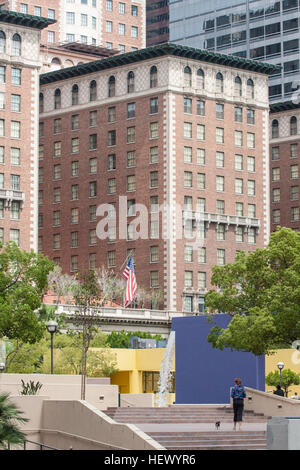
pixel 291 360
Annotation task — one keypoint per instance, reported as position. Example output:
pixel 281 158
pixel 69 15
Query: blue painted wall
pixel 205 374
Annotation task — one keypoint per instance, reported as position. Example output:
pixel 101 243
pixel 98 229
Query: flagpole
pixel 127 258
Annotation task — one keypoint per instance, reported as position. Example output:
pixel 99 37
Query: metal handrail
pixel 40 444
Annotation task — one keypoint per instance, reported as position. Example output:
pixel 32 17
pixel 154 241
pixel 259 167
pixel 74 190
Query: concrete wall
pixel 63 387
pixel 143 400
pixel 204 374
pixel 81 426
pixel 270 405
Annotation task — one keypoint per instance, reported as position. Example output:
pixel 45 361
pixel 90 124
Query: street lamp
pixel 52 328
pixel 280 366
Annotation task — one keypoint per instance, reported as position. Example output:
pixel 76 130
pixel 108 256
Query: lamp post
pixel 52 328
pixel 280 366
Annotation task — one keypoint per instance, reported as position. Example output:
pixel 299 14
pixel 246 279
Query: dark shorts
pixel 238 407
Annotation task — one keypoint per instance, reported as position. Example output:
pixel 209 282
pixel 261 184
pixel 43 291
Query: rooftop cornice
pixel 31 21
pixel 167 49
pixel 284 106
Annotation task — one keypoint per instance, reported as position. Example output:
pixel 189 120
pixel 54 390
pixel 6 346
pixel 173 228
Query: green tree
pixel 10 418
pixel 23 279
pixel 261 293
pixel 288 378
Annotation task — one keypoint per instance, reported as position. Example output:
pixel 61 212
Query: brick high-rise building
pixel 157 21
pixel 19 116
pixel 106 23
pixel 284 165
pixel 169 127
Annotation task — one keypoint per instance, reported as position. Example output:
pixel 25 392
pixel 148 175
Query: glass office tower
pixel 264 30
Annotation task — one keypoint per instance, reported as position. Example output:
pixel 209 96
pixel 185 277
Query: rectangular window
pixel 74 242
pixel 111 138
pixel 57 126
pixel 238 162
pixel 130 159
pixel 56 195
pixel 92 261
pixel 251 164
pixel 153 105
pixel 154 258
pixel 14 236
pixel 276 174
pixel 15 76
pixel 153 130
pixel 109 5
pixel 154 179
pixel 15 129
pixel 188 279
pixel 294 214
pixel 130 110
pixel 251 187
pixel 238 138
pixel 1 211
pixel 111 259
pixel 250 116
pixel 219 135
pixel 75 145
pixel 84 19
pixel 154 229
pixel 239 186
pixel 294 171
pixel 134 10
pixel 250 140
pixel 111 114
pixel 275 153
pixel 201 181
pixel 293 150
pixel 239 234
pixel 108 26
pixel 221 232
pixel 221 257
pixel 252 210
pixel 37 11
pixel 134 31
pixel 122 29
pixel 188 203
pixel 130 135
pixel 92 237
pixel 188 154
pixel 153 204
pixel 154 280
pixel 57 172
pixel 220 159
pixel 56 218
pixel 14 156
pixel 239 209
pixel 294 193
pixel 2 128
pixel 15 210
pixel 200 156
pixel 75 215
pixel 2 151
pixel 201 255
pixel 219 110
pixel 220 183
pixel 15 104
pixel 74 264
pixel 57 149
pixel 153 154
pixel 276 195
pixel 200 107
pixel 187 130
pixel 131 208
pixel 201 280
pixel 276 216
pixel 70 17
pixel 238 114
pixel 93 118
pixel 188 179
pixel 74 168
pixel 200 131
pixel 2 73
pixel 74 192
pixel 251 235
pixel 2 100
pixel 93 141
pixel 92 213
pixel 51 36
pixel 220 206
pixel 131 183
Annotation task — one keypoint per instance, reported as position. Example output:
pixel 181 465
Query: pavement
pixel 197 427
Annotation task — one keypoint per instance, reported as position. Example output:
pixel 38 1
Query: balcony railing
pixel 210 217
pixel 12 195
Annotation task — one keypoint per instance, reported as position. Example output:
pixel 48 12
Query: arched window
pixel 68 63
pixel 275 129
pixel 111 86
pixel 200 79
pixel 187 76
pixel 2 42
pixel 75 93
pixel 41 102
pixel 237 86
pixel 55 64
pixel 93 90
pixel 219 83
pixel 57 99
pixel 16 45
pixel 250 88
pixel 153 77
pixel 130 82
pixel 293 125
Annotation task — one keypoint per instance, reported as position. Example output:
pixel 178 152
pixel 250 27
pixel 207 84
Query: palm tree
pixel 10 417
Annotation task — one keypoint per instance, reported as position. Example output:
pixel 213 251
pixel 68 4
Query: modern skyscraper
pixel 264 30
pixel 157 20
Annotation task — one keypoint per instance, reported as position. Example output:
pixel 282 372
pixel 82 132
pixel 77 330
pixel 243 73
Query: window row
pixel 121 8
pixel 294 173
pixel 275 152
pixel 294 194
pixel 111 136
pixel 220 207
pixel 15 102
pixel 15 45
pixel 220 107
pixel 15 129
pixel 14 235
pixel 220 159
pixel 37 11
pixel 15 75
pixel 93 91
pixel 294 215
pixel 15 182
pixel 14 155
pixel 220 135
pixel 200 83
pixel 293 127
pixel 120 28
pixel 15 210
pixel 220 183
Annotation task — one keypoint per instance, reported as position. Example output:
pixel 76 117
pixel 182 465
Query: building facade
pixel 107 23
pixel 265 30
pixel 284 165
pixel 157 21
pixel 161 154
pixel 19 83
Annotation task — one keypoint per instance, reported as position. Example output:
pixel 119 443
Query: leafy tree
pixel 261 293
pixel 25 357
pixel 10 417
pixel 23 279
pixel 288 378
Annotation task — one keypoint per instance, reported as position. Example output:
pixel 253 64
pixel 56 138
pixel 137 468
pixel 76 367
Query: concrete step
pixel 220 447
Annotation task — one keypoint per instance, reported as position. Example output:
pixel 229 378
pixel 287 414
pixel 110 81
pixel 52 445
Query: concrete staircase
pixel 192 427
pixel 180 414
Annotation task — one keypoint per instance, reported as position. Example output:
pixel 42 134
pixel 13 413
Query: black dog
pixel 218 424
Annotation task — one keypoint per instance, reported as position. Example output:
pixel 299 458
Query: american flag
pixel 131 282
